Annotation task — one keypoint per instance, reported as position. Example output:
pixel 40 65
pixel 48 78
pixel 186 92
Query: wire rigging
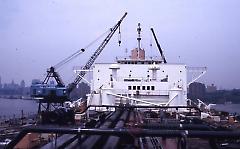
pixel 78 52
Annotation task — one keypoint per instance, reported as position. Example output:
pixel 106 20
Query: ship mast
pixel 139 39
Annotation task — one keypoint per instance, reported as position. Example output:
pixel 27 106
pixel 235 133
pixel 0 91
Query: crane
pixel 60 91
pixel 95 55
pixel 49 93
pixel 159 47
pixel 51 73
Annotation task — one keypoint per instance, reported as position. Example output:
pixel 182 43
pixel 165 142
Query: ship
pixel 137 102
pixel 139 80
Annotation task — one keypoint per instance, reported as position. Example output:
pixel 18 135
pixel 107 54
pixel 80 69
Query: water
pixel 13 107
pixel 231 108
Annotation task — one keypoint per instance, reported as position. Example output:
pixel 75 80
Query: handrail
pixel 128 132
pixel 143 107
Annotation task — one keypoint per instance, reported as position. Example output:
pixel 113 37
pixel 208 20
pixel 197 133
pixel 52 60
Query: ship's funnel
pixel 138 54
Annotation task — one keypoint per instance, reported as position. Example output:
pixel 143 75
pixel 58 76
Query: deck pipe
pixel 138 117
pixel 82 138
pixel 92 140
pixel 113 141
pixel 174 126
pixel 128 132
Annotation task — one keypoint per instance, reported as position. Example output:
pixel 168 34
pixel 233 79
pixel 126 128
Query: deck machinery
pixel 132 127
pixel 51 95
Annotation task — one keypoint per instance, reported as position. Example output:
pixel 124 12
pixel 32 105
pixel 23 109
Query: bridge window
pixel 152 87
pixel 129 87
pixel 143 87
pixel 138 87
pixel 148 87
pixel 134 87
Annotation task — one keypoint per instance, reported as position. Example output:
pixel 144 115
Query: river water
pixel 10 108
pixel 13 107
pixel 231 108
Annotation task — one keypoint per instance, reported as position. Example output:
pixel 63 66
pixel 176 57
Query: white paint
pixel 138 84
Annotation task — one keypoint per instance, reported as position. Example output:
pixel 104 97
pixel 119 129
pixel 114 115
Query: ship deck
pixel 133 127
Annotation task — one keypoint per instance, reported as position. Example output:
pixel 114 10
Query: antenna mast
pixel 139 38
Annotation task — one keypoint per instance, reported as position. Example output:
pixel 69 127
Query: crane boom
pixel 90 62
pixel 159 47
pixel 51 73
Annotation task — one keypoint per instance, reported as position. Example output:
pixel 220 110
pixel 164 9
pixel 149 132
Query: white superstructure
pixel 139 81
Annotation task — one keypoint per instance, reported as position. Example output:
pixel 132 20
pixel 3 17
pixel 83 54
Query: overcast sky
pixel 37 34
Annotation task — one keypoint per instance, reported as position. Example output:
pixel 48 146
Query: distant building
pixel 0 82
pixel 211 88
pixel 12 89
pixel 197 91
pixel 36 81
pixel 22 84
pixel 80 91
pixel 12 85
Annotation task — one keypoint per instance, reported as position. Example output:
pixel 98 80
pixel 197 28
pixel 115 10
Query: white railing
pixel 142 92
pixel 147 58
pixel 138 79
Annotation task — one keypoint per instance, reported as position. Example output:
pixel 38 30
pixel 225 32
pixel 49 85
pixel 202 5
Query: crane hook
pixel 119 37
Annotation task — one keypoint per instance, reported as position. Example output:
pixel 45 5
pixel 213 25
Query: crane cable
pixel 119 36
pixel 78 52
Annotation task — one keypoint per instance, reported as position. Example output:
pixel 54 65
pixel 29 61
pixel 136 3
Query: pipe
pixel 146 107
pixel 127 132
pixel 91 141
pixel 174 126
pixel 113 141
pixel 82 138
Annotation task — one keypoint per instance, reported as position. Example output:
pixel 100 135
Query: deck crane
pixel 51 73
pixel 94 56
pixel 60 93
pixel 159 47
pixel 50 92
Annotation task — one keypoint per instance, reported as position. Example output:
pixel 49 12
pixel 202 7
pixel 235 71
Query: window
pixel 134 87
pixel 143 87
pixel 148 87
pixel 138 87
pixel 152 87
pixel 129 87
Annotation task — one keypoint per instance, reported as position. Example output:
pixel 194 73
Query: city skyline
pixel 35 35
pixel 19 84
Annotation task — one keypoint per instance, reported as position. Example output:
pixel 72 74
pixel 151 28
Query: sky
pixel 35 35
